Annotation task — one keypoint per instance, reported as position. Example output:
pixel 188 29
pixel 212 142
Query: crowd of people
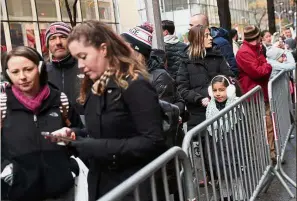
pixel 116 104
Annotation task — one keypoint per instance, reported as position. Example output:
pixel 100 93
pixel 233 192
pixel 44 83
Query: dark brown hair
pixel 222 79
pixel 32 55
pixel 121 59
pixel 196 39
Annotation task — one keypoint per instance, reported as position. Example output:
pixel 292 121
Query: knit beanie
pixel 274 53
pixel 291 43
pixel 140 38
pixel 57 28
pixel 251 33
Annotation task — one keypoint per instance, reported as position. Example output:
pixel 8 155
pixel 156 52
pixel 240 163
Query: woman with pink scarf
pixel 32 167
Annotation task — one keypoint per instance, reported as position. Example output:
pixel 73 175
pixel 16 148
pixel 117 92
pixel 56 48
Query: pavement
pixel 276 192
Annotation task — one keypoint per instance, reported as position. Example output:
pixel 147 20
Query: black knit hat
pixel 140 38
pixel 251 33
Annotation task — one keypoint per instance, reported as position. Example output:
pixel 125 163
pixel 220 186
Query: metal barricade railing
pixel 234 160
pixel 283 121
pixel 157 170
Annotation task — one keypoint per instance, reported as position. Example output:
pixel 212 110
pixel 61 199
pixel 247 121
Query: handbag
pixel 81 182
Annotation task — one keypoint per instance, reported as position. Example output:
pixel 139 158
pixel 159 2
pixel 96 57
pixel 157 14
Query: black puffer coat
pixel 164 83
pixel 193 79
pixel 41 169
pixel 167 91
pixel 174 53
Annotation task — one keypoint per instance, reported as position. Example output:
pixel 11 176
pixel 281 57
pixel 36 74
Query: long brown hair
pixel 121 59
pixel 196 40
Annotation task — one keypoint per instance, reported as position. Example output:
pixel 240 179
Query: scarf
pixel 99 86
pixel 34 103
pixel 212 111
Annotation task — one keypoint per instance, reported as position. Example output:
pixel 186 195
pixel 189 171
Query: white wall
pixel 129 16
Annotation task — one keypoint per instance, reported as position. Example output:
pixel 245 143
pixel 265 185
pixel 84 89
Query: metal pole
pixel 280 23
pixel 295 22
pixel 154 17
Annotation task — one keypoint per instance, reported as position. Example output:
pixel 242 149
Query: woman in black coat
pixel 196 72
pixel 33 168
pixel 122 113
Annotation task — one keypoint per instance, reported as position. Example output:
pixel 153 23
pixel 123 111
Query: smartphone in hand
pixel 49 135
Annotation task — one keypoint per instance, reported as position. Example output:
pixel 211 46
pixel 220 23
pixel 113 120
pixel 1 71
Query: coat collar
pixel 256 47
pixel 51 101
pixel 67 62
pixel 210 53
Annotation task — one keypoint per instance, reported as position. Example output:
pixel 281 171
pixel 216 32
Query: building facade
pixel 24 22
pixel 180 12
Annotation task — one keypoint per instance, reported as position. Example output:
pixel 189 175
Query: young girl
pixel 222 94
pixel 224 132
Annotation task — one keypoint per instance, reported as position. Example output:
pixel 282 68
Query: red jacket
pixel 253 68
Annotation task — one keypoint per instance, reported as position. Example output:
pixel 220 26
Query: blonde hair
pixel 196 40
pixel 122 61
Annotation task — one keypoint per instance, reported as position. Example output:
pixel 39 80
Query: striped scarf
pixel 100 85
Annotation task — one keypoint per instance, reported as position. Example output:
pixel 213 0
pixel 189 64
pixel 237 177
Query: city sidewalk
pixel 276 191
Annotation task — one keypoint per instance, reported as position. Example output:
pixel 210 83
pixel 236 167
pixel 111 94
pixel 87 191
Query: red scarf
pixel 34 103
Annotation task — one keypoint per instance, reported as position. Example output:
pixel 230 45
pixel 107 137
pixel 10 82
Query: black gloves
pixel 85 146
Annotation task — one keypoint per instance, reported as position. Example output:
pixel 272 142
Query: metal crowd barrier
pixel 283 121
pixel 234 160
pixel 157 170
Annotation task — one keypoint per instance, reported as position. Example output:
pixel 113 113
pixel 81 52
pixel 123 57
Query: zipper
pixel 35 120
pixel 39 144
pixel 63 79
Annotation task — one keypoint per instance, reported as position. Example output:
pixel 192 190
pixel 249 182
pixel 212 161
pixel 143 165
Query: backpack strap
pixel 3 107
pixel 64 108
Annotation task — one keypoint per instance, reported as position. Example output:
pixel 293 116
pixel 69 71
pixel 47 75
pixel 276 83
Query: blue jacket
pixel 220 40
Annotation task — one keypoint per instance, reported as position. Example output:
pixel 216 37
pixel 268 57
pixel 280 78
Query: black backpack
pixel 170 123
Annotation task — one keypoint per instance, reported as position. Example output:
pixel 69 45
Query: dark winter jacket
pixel 220 40
pixel 66 76
pixel 124 127
pixel 175 50
pixel 41 169
pixel 193 79
pixel 167 91
pixel 164 84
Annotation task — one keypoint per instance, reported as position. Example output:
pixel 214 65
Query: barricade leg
pixel 266 176
pixel 280 178
pixel 282 172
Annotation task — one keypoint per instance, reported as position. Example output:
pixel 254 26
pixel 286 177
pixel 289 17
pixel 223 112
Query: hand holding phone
pixel 61 135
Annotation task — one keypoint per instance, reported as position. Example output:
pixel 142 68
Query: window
pixel 88 9
pixel 42 30
pixel 1 15
pixel 20 27
pixel 173 5
pixel 46 10
pixel 3 42
pixel 19 10
pixel 65 16
pixel 22 34
pixel 104 10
